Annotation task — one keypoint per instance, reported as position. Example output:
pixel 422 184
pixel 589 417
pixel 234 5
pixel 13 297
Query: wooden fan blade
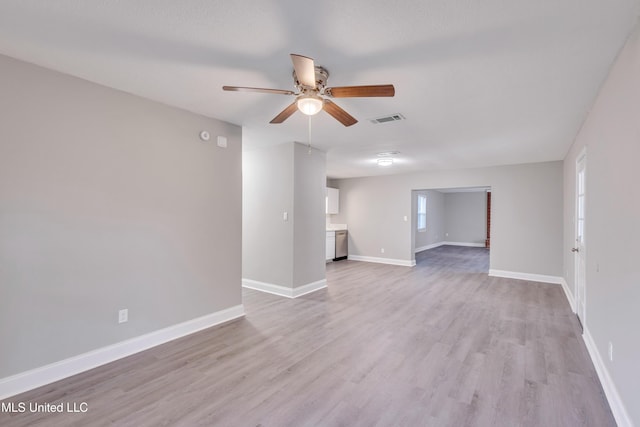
pixel 360 91
pixel 257 89
pixel 305 70
pixel 285 114
pixel 339 114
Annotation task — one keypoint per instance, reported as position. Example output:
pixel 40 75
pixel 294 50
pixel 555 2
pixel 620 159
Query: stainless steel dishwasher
pixel 341 245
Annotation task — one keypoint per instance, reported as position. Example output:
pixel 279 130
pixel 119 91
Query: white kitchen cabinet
pixel 331 245
pixel 333 200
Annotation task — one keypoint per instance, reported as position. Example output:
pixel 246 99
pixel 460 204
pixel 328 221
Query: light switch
pixel 405 218
pixel 285 216
pixel 222 141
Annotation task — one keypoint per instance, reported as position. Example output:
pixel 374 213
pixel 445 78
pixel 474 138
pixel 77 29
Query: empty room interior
pixel 270 213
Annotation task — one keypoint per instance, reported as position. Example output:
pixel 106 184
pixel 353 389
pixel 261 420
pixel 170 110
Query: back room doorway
pixel 447 220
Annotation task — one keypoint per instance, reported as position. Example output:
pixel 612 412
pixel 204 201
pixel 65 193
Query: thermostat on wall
pixel 204 135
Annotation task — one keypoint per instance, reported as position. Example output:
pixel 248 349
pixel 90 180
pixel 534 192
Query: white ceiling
pixel 480 83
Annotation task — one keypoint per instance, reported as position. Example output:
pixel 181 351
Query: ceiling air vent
pixel 385 119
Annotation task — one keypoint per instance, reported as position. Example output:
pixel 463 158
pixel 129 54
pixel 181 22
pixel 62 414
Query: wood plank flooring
pixel 440 344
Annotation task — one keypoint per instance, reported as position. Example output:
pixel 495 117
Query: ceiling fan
pixel 311 96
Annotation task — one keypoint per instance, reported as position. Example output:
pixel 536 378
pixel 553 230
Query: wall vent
pixel 385 119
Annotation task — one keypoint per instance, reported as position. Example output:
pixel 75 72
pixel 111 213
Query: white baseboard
pixel 284 291
pixel 615 402
pixel 427 247
pixel 568 294
pixel 309 287
pixel 471 245
pixel 526 276
pixel 19 383
pixel 438 244
pixel 377 260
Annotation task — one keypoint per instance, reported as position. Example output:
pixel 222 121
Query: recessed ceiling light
pixel 388 153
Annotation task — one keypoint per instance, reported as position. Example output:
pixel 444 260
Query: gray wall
pixel 309 237
pixel 465 217
pixel 284 178
pixel 267 240
pixel 611 134
pixel 527 211
pixel 435 219
pixel 108 201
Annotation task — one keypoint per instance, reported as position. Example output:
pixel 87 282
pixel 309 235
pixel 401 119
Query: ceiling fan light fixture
pixel 312 94
pixel 309 104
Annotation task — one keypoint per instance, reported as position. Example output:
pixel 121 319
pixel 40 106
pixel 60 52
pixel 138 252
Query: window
pixel 422 212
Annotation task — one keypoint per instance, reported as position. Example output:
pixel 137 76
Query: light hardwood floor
pixel 440 344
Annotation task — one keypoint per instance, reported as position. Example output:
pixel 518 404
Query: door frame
pixel 580 248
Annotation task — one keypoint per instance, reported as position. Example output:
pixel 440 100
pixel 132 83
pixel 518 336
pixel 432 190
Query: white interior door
pixel 580 248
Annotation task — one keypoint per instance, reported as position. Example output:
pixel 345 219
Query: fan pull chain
pixel 309 137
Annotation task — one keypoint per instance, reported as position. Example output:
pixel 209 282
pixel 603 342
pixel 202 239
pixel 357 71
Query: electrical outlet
pixel 123 315
pixel 610 351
